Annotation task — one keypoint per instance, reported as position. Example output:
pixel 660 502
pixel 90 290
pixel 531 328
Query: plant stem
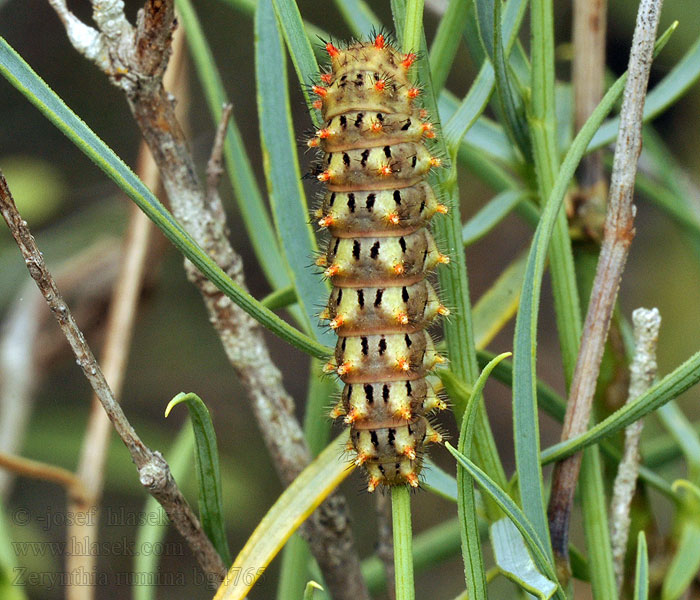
pixel 403 543
pixel 619 231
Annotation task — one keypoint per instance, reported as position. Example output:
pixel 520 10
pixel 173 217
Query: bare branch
pixel 214 167
pixel 642 374
pixel 588 78
pixel 43 471
pixel 154 472
pixel 619 232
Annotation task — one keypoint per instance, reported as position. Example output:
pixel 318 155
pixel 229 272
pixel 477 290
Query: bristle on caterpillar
pixel 376 209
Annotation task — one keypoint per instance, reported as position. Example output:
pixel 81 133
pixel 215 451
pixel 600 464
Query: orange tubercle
pixel 435 438
pixel 443 259
pixel 326 77
pixel 360 459
pixel 410 453
pixel 402 318
pixel 379 41
pixel 376 127
pixel 329 367
pixel 393 218
pixel 332 50
pixel 403 364
pixel 337 411
pixel 442 209
pixel 373 483
pixel 324 133
pixel 423 114
pixel 413 92
pixel 313 142
pixel 405 413
pixel 385 170
pixel 337 322
pixel 346 367
pixel 412 480
pixel 443 310
pixel 399 269
pixel 435 161
pixel 321 261
pixel 331 271
pixel 351 417
pixel 408 60
pixel 318 104
pixel 325 176
pixel 380 85
pixel 319 90
pixel 326 221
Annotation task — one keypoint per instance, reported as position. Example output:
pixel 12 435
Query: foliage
pixel 517 156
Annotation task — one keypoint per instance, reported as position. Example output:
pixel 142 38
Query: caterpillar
pixel 376 207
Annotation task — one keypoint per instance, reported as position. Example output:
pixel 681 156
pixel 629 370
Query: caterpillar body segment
pixel 376 209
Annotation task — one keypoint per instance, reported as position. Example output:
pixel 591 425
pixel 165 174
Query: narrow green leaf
pixel 678 425
pixel 515 562
pixel 681 78
pixel 670 387
pixel 280 298
pixel 511 103
pixel 208 472
pixel 511 509
pixel 500 302
pixel 491 214
pixel 359 17
pixel 403 542
pixel 300 50
pixel 594 506
pixel 471 545
pixel 153 531
pixel 685 564
pixel 291 509
pixel 641 575
pixel 248 197
pixel 438 481
pixel 282 171
pixel 310 590
pixel 469 109
pixel 446 41
pixel 27 82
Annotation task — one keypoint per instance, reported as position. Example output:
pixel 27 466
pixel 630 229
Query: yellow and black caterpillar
pixel 376 208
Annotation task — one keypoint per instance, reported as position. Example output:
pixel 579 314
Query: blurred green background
pixel 71 205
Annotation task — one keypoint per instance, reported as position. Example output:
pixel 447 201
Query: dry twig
pixel 154 472
pixel 134 59
pixel 588 78
pixel 618 235
pixel 642 373
pixel 38 470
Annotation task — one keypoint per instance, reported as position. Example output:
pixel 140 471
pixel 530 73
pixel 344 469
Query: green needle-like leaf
pixel 641 575
pixel 208 472
pixel 300 50
pixel 515 562
pixel 287 197
pixel 511 509
pixel 249 199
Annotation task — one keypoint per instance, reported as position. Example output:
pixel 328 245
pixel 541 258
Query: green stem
pixel 403 550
